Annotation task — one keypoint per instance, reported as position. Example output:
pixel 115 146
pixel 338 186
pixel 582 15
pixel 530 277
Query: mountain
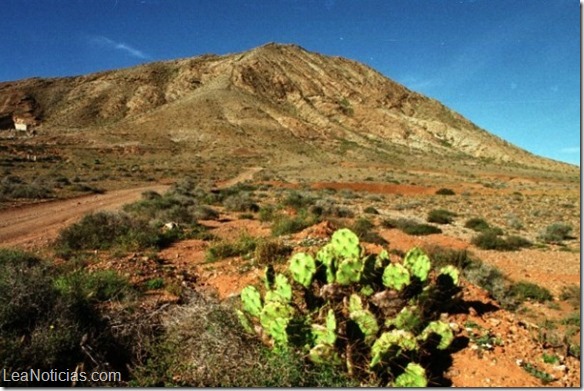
pixel 276 105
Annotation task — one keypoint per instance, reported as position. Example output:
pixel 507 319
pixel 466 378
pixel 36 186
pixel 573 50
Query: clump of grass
pixel 441 216
pixel 411 227
pixel 555 233
pixel 445 191
pixel 572 295
pixel 240 202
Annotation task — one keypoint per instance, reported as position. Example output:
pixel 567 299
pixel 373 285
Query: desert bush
pixel 104 230
pixel 363 228
pixel 523 290
pixel 329 208
pixel 411 227
pixel 491 240
pixel 442 256
pixel 572 295
pixel 371 210
pixel 244 245
pixel 204 345
pixel 270 251
pixel 49 315
pixel 375 320
pixel 477 224
pixel 284 225
pixel 267 213
pixel 555 233
pixel 440 216
pixel 14 187
pixel 203 212
pixel 445 191
pixel 240 202
pixel 297 200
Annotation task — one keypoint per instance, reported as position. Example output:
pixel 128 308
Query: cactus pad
pixel 413 376
pixel 345 244
pixel 442 330
pixel 417 263
pixel 396 276
pixel 391 344
pixel 302 267
pixel 251 301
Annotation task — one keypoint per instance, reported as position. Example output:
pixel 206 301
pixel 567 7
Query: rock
pixel 495 322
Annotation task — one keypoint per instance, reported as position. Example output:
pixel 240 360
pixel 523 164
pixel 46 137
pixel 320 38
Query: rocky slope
pixel 279 102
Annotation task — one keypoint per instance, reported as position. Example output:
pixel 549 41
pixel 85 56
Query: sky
pixel 510 66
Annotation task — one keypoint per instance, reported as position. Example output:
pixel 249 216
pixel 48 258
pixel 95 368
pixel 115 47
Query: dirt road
pixel 36 226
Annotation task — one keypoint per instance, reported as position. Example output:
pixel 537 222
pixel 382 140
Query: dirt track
pixel 36 225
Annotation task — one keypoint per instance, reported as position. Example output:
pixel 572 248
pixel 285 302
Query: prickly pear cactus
pixel 365 313
pixel 302 267
pixel 417 263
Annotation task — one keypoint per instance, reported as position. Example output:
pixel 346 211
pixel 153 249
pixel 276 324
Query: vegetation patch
pixel 411 227
pixel 441 216
pixel 492 240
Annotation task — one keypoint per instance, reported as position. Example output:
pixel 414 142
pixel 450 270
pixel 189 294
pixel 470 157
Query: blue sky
pixel 510 66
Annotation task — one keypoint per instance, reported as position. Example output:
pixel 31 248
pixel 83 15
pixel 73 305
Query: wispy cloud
pixel 570 150
pixel 111 44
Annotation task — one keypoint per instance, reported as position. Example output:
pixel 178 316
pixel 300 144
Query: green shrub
pixel 271 251
pixel 555 233
pixel 526 290
pixel 284 225
pixel 371 210
pixel 266 213
pixel 445 191
pixel 491 240
pixel 297 200
pixel 441 216
pixel 411 227
pixel 49 315
pixel 104 230
pixel 477 224
pixel 204 345
pixel 363 228
pixel 240 202
pixel 244 245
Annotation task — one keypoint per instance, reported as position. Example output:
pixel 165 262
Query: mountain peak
pixel 276 96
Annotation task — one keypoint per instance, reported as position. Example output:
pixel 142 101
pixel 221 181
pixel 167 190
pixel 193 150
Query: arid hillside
pixel 277 106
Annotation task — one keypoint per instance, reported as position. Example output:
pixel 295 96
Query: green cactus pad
pixel 251 301
pixel 302 267
pixel 451 271
pixel 442 330
pixel 326 257
pixel 243 319
pixel 282 290
pixel 324 354
pixel 349 271
pixel 418 263
pixel 363 317
pixel 367 291
pixel 390 344
pixel 325 334
pixel 367 323
pixel 274 319
pixel 345 244
pixel 413 376
pixel 407 319
pixel 396 276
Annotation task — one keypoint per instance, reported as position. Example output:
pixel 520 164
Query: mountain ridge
pixel 271 99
